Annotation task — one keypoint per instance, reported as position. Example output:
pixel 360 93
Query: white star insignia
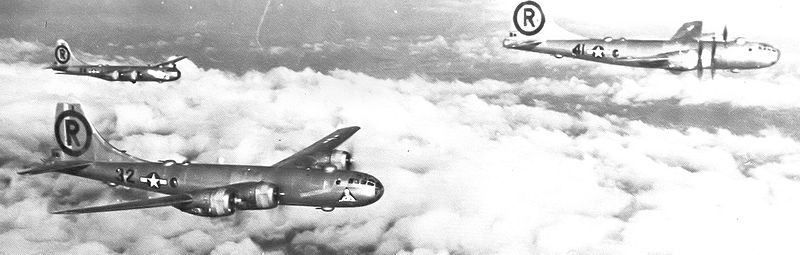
pixel 153 180
pixel 597 52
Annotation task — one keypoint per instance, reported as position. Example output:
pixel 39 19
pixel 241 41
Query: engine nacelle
pixel 211 203
pixel 113 75
pixel 336 160
pixel 133 75
pixel 224 201
pixel 255 196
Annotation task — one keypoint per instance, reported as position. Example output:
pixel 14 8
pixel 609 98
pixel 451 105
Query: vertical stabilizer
pixel 533 27
pixel 78 140
pixel 63 54
pixel 689 32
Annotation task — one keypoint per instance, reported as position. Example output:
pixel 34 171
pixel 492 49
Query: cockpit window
pixel 364 181
pixel 370 184
pixel 338 181
pixel 350 181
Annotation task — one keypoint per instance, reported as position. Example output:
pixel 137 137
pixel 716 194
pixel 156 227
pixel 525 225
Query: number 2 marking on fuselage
pixel 125 176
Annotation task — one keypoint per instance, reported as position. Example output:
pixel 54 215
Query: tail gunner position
pixel 318 176
pixel 159 72
pixel 685 51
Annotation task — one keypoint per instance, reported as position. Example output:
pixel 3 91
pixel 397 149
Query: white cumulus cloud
pixel 469 168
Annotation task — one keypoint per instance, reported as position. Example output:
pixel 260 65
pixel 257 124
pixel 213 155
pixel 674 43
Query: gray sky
pixel 391 39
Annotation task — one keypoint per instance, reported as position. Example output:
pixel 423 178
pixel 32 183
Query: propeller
pixel 699 59
pixel 350 164
pixel 713 55
pixel 714 49
pixel 713 65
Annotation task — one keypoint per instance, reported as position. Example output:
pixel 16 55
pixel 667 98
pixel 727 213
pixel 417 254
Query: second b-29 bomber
pixel 65 64
pixel 687 50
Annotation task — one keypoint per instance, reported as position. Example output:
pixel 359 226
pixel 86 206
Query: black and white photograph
pixel 409 127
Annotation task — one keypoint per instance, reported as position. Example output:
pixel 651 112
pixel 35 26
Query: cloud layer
pixel 486 167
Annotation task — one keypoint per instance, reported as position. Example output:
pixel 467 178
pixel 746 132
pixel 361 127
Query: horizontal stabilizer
pixel 138 204
pixel 57 166
pixel 521 44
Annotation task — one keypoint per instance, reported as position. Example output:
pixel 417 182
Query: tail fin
pixel 533 27
pixel 63 54
pixel 78 140
pixel 689 32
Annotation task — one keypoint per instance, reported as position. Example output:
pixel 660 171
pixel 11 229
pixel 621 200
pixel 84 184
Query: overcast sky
pixel 482 150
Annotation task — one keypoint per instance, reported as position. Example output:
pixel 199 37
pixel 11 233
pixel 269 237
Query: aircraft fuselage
pixel 122 73
pixel 312 187
pixel 675 55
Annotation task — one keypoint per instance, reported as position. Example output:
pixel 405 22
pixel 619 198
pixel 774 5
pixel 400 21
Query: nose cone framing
pixel 378 190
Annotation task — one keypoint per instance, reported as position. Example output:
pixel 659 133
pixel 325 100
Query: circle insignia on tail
pixel 73 134
pixel 62 54
pixel 529 18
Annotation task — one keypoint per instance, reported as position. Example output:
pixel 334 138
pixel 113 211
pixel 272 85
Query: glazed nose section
pixel 777 56
pixel 772 54
pixel 174 75
pixel 378 190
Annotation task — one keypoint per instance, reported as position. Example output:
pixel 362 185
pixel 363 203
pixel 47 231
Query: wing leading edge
pixel 324 145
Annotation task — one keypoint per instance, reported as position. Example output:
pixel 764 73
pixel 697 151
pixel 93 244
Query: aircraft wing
pixel 652 62
pixel 172 61
pixel 326 144
pixel 138 204
pixel 57 166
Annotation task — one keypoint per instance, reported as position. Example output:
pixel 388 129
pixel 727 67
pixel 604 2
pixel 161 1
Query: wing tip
pixel 350 129
pixel 76 165
pixel 68 211
pixel 176 59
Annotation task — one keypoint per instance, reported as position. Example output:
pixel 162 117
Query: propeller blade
pixel 725 33
pixel 713 55
pixel 699 59
pixel 352 163
pixel 349 164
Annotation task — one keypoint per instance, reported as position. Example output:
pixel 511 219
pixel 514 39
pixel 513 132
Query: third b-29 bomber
pixel 166 71
pixel 318 176
pixel 686 50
